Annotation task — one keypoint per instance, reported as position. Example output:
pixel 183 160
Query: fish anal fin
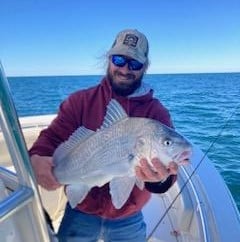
pixel 76 194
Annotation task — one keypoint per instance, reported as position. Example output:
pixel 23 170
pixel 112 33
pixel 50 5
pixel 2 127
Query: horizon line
pixel 166 73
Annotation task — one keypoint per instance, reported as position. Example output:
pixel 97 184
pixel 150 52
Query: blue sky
pixel 70 37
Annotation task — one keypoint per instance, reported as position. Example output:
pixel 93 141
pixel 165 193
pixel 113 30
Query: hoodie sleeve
pixel 161 113
pixel 160 187
pixel 58 131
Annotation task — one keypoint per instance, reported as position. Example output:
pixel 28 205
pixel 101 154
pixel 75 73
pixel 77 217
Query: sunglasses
pixel 121 61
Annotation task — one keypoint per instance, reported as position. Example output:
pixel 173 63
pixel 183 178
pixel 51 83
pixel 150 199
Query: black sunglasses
pixel 121 61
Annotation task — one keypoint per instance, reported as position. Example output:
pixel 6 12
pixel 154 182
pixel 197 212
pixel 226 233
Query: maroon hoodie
pixel 88 108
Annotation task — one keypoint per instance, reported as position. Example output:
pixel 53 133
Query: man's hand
pixel 42 167
pixel 156 172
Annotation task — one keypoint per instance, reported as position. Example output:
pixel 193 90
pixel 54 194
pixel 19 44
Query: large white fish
pixel 88 158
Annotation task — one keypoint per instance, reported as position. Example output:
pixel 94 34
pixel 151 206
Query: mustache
pixel 127 76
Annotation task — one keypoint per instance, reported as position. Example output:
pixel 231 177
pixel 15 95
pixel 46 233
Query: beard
pixel 126 88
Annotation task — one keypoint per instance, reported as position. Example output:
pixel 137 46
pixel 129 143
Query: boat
pixel 197 208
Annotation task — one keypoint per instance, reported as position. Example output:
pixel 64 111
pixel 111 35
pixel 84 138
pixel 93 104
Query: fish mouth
pixel 184 156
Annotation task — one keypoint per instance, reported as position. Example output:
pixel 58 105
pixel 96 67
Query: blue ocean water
pixel 200 105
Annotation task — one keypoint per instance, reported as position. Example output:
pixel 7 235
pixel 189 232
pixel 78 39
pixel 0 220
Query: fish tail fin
pixel 77 137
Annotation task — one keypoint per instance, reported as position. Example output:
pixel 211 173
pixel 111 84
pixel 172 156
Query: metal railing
pixel 26 196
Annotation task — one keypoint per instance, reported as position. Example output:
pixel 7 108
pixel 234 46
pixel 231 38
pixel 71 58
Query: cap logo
pixel 130 40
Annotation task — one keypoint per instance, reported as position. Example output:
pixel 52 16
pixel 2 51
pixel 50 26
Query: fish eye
pixel 167 142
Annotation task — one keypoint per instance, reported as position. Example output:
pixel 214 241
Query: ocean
pixel 200 106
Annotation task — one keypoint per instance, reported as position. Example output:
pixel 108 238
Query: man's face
pixel 124 81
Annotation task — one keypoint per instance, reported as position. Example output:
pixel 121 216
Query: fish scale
pixel 102 154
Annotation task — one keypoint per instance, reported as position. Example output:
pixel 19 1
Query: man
pixel 96 217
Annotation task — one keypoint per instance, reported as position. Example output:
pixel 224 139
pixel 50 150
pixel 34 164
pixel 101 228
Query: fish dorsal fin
pixel 115 113
pixel 77 137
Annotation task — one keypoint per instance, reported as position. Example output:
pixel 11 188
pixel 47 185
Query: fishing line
pixel 195 169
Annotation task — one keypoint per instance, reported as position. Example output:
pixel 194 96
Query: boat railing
pixel 37 122
pixel 24 199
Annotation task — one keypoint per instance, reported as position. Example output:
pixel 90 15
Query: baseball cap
pixel 132 43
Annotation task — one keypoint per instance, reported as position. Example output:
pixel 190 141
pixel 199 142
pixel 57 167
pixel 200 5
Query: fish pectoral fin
pixel 140 184
pixel 120 189
pixel 76 193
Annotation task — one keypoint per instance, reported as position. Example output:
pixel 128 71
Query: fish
pixel 110 154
